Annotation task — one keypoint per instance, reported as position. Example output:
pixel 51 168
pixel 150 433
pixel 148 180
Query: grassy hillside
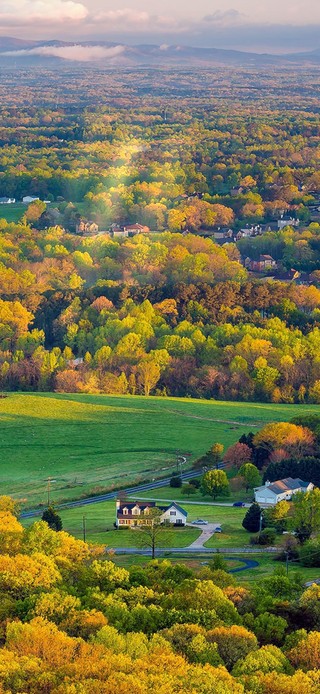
pixel 90 443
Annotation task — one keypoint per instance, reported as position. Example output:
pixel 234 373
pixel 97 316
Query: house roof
pixel 266 257
pixel 287 485
pixel 176 506
pixel 131 506
pixel 135 226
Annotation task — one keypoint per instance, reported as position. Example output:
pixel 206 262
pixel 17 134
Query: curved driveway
pixel 207 532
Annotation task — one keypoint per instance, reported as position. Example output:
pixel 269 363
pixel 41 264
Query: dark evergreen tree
pixel 260 456
pixel 251 521
pixel 51 517
pixel 247 439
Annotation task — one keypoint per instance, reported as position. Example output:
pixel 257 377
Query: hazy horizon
pixel 238 24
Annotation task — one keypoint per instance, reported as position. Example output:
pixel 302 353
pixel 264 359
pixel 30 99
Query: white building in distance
pixel 29 198
pixel 281 490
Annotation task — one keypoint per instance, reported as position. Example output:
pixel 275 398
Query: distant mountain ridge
pixel 112 53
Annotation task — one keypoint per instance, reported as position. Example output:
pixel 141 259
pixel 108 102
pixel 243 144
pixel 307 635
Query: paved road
pixel 207 532
pixel 149 486
pixel 189 550
pixel 248 564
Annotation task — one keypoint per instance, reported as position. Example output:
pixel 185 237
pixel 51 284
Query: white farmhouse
pixel 7 201
pixel 136 513
pixel 281 490
pixel 174 514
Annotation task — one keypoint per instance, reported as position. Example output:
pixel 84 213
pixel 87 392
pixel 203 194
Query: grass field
pixel 99 519
pixel 12 213
pixel 91 443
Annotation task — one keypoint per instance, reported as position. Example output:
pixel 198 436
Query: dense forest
pixel 166 311
pixel 73 620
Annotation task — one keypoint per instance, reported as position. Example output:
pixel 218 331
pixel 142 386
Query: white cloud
pixel 21 12
pixel 225 18
pixel 134 20
pixel 77 52
pixel 125 16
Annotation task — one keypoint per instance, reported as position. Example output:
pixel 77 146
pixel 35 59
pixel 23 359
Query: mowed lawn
pixel 92 443
pixel 12 213
pixel 98 519
pixel 233 534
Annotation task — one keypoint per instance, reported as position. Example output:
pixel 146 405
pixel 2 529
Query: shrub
pixel 266 537
pixel 176 481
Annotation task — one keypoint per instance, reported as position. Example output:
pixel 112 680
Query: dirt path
pixel 219 421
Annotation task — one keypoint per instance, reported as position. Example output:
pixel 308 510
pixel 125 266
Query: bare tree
pixel 154 533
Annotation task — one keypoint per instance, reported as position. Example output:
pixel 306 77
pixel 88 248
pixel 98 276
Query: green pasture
pixel 12 213
pixel 168 493
pixel 92 443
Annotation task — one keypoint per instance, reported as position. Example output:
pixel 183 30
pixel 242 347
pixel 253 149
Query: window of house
pixel 125 511
pixel 173 513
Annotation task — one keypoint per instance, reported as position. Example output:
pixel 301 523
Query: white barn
pixel 29 198
pixel 281 490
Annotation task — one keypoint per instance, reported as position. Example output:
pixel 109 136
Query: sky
pixel 276 26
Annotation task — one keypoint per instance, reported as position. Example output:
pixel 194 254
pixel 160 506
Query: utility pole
pixel 260 523
pixel 84 528
pixel 49 489
pixel 49 482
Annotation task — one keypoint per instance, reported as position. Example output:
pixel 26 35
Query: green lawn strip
pixel 92 443
pixel 267 565
pixel 180 537
pixel 176 494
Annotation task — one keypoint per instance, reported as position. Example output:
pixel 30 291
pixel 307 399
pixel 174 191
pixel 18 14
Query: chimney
pixel 267 484
pixel 118 503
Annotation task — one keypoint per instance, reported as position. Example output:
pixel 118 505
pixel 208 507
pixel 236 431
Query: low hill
pixel 19 53
pixel 90 443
